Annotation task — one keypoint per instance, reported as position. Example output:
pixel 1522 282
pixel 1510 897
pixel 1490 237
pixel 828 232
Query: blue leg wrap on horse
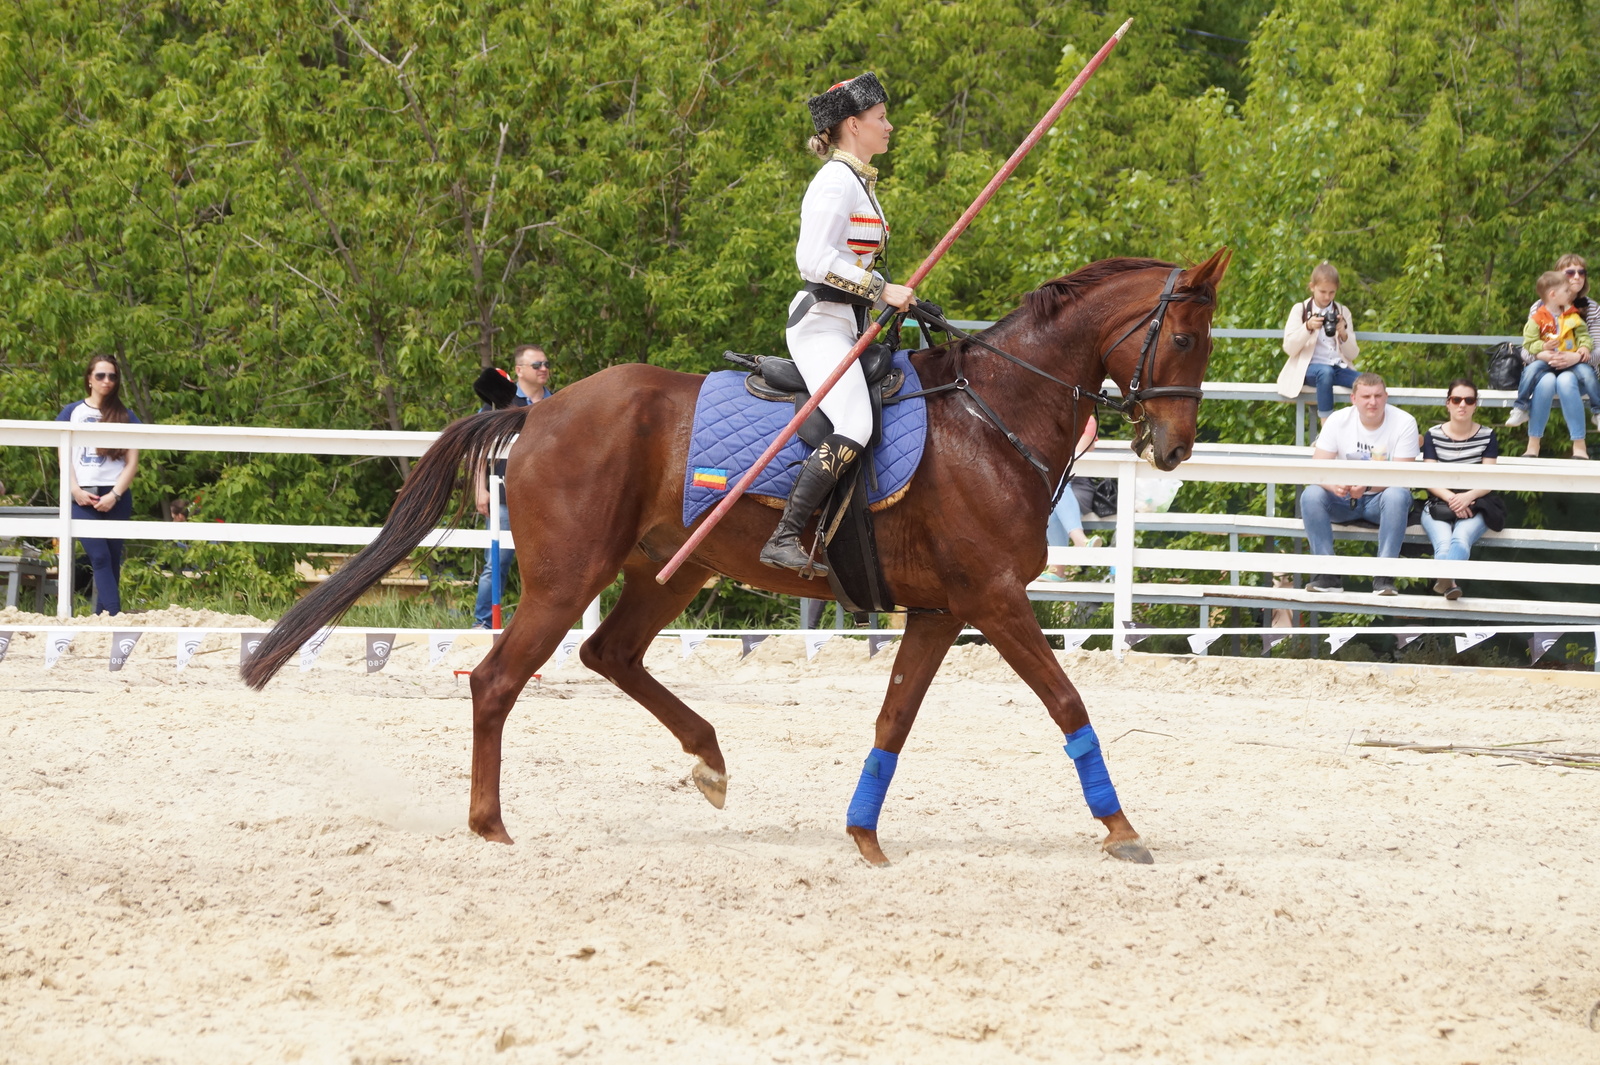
pixel 871 790
pixel 1083 747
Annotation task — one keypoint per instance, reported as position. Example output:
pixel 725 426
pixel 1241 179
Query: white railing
pixel 1238 464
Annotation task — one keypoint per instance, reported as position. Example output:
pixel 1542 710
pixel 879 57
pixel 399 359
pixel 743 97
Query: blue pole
pixel 494 551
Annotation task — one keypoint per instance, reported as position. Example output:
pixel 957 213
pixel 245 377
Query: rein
pixel 1130 406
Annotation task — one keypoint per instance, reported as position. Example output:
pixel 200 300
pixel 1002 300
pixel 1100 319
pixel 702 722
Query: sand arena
pixel 192 872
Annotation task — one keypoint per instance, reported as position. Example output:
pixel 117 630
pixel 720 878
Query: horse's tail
pixel 416 511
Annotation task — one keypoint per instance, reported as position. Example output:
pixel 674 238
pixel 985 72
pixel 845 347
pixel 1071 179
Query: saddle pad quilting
pixel 732 428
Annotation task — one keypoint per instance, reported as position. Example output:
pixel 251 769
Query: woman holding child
pixel 1558 356
pixel 1456 519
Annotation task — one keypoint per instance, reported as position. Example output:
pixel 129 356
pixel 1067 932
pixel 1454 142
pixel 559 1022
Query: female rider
pixel 842 234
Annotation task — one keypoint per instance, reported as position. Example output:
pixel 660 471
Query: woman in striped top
pixel 1470 513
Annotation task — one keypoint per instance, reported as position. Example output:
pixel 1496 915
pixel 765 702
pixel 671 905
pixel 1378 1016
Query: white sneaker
pixel 1597 419
pixel 1520 417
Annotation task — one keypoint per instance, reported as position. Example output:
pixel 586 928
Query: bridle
pixel 1130 405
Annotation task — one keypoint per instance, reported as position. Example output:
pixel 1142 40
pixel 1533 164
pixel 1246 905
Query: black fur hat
pixel 494 387
pixel 845 99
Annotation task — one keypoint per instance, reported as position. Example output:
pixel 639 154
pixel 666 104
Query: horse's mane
pixel 1049 298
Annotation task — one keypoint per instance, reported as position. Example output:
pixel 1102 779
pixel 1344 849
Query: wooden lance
pixel 876 326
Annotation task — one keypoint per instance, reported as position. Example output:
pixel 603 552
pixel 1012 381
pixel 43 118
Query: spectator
pixel 1455 520
pixel 99 478
pixel 1576 270
pixel 1066 523
pixel 1367 430
pixel 1557 336
pixel 1315 356
pixel 533 385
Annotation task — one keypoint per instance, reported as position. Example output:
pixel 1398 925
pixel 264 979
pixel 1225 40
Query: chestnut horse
pixel 595 483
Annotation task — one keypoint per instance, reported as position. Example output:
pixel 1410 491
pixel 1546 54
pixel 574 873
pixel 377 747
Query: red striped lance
pixel 698 536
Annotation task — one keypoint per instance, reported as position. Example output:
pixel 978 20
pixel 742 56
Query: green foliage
pixel 332 214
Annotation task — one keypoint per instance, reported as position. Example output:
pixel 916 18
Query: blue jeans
pixel 1324 377
pixel 1569 386
pixel 1065 520
pixel 1453 542
pixel 1389 507
pixel 481 612
pixel 105 556
pixel 1531 374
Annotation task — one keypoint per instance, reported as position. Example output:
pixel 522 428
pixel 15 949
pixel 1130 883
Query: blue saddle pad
pixel 732 428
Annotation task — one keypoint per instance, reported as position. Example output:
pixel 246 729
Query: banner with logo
pixel 1403 640
pixel 748 644
pixel 1338 638
pixel 188 646
pixel 1071 641
pixel 55 645
pixel 814 642
pixel 691 642
pixel 1471 639
pixel 121 647
pixel 1201 642
pixel 878 643
pixel 313 647
pixel 379 646
pixel 5 645
pixel 1269 640
pixel 1540 643
pixel 564 649
pixel 248 642
pixel 439 645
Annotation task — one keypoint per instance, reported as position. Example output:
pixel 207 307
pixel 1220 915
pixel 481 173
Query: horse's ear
pixel 1208 274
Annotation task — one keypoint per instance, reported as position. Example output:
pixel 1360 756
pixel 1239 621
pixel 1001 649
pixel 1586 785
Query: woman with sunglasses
pixel 99 477
pixel 1455 519
pixel 1540 384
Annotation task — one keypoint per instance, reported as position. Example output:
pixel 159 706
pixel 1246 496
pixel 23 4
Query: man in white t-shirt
pixel 1369 430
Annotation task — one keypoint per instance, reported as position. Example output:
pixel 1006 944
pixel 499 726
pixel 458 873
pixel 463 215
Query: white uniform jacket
pixel 842 228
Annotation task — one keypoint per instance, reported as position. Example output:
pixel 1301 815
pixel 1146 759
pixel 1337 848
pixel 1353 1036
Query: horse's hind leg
pixel 928 637
pixel 1008 622
pixel 617 648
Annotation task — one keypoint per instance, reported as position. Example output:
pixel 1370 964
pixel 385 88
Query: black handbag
pixel 1505 366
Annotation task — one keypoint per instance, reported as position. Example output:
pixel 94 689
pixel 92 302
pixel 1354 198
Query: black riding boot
pixel 817 477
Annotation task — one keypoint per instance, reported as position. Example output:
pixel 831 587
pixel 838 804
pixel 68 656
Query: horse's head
pixel 1160 376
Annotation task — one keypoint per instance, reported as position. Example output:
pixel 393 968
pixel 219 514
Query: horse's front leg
pixel 1011 626
pixel 928 637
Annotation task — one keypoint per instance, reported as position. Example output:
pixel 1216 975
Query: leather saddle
pixel 778 381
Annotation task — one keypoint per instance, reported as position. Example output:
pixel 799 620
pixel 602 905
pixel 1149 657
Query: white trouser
pixel 818 344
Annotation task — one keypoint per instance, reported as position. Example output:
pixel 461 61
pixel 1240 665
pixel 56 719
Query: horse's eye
pixel 1183 340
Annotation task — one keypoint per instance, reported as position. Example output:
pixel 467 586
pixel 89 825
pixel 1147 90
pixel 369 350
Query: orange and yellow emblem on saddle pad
pixel 706 477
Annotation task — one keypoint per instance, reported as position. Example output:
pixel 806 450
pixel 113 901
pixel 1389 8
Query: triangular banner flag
pixel 121 647
pixel 1471 639
pixel 748 644
pixel 55 646
pixel 814 642
pixel 5 645
pixel 248 642
pixel 188 646
pixel 1132 633
pixel 313 647
pixel 1540 642
pixel 1405 639
pixel 439 645
pixel 1338 638
pixel 564 650
pixel 1071 641
pixel 1269 640
pixel 691 642
pixel 1200 642
pixel 379 644
pixel 878 643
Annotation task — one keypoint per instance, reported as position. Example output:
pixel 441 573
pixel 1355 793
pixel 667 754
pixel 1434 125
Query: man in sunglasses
pixel 1369 430
pixel 533 384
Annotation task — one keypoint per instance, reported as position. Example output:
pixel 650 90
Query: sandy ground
pixel 190 872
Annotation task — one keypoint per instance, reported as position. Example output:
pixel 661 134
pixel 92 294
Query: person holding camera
pixel 1455 519
pixel 1319 340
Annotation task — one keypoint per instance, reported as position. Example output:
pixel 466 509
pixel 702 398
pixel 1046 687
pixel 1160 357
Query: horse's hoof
pixel 712 784
pixel 495 833
pixel 1129 850
pixel 867 843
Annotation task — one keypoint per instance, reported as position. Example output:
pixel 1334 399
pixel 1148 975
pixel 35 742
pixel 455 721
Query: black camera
pixel 1330 320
